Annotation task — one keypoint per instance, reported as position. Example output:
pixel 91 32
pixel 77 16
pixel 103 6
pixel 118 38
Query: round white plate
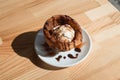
pixel 44 54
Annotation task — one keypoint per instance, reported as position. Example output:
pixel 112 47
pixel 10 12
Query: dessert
pixel 62 32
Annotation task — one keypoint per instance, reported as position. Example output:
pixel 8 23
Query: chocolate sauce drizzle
pixel 58 58
pixel 64 57
pixel 72 57
pixel 77 49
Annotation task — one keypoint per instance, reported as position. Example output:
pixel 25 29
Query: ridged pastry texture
pixel 51 39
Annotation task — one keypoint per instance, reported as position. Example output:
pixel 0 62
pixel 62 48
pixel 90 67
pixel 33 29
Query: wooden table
pixel 21 19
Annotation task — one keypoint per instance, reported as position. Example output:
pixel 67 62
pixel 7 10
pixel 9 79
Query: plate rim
pixel 75 62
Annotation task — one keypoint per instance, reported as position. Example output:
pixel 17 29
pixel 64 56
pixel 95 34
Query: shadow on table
pixel 23 45
pixel 115 3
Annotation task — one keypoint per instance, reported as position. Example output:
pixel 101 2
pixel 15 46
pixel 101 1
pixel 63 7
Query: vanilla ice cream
pixel 64 33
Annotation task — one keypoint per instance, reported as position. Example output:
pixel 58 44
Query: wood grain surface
pixel 21 19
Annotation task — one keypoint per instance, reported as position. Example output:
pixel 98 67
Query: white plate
pixel 51 60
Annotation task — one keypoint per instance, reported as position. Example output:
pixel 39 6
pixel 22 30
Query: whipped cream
pixel 64 33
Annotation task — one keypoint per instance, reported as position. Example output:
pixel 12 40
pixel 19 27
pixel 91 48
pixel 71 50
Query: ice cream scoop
pixel 64 33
